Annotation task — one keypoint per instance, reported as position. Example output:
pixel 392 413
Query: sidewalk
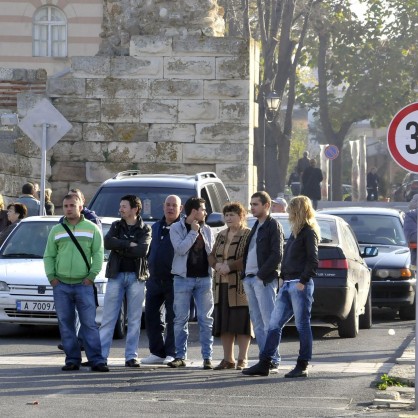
pixel 400 397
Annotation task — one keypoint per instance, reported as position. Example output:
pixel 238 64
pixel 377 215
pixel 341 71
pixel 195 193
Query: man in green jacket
pixel 73 283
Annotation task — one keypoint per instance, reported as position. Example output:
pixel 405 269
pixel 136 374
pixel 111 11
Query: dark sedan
pixel 342 283
pixel 393 282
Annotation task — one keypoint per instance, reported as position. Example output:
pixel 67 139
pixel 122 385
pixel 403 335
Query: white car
pixel 25 293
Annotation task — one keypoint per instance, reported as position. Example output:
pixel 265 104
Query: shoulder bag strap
pixel 77 244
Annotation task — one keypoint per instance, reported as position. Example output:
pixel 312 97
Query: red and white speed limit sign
pixel 403 138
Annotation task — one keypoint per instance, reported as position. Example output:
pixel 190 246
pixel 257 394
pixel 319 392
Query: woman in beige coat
pixel 231 315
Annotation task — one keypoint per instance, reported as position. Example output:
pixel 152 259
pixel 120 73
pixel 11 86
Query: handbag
pixel 77 244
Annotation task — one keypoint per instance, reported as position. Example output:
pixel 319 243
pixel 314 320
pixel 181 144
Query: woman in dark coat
pixel 4 221
pixel 311 183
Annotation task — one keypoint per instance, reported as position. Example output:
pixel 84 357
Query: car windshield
pixel 327 226
pixel 376 229
pixel 106 203
pixel 28 240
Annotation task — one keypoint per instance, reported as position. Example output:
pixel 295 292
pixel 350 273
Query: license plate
pixel 34 306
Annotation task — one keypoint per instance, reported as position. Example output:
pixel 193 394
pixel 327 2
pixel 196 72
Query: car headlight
pixel 4 287
pixel 394 273
pixel 101 288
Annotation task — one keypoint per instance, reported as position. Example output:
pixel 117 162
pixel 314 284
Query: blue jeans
pixel 124 284
pixel 201 289
pixel 260 304
pixel 159 316
pixel 67 298
pixel 291 301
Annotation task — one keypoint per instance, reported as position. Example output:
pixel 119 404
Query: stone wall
pixel 175 105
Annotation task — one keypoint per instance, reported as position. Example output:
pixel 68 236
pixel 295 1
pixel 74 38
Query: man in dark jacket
pixel 127 270
pixel 311 183
pixel 262 257
pixel 160 293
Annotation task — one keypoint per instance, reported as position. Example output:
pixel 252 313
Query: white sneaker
pixel 152 359
pixel 168 359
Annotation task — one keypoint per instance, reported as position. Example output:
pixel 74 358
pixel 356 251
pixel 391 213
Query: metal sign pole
pixel 43 168
pixel 416 336
pixel 330 180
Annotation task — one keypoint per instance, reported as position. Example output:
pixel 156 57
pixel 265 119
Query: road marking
pixel 329 367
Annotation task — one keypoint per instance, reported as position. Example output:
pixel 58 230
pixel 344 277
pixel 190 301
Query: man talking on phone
pixel 192 242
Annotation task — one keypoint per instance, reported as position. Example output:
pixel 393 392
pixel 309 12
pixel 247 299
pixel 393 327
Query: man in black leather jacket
pixel 262 257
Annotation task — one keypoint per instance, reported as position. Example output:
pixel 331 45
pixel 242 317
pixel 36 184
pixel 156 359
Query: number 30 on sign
pixel 402 138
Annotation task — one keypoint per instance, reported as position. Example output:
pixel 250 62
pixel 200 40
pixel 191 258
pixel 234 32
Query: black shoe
pixel 86 364
pixel 299 370
pixel 133 362
pixel 70 367
pixel 177 362
pixel 101 367
pixel 207 364
pixel 262 368
pixel 60 347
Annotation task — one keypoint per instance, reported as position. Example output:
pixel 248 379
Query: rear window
pixel 106 202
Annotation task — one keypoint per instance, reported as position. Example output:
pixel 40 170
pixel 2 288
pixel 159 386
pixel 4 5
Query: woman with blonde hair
pixel 49 206
pixel 231 314
pixel 299 264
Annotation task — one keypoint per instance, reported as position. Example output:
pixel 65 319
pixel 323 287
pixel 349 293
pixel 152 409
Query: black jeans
pixel 159 316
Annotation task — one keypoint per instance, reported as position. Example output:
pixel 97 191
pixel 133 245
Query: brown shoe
pixel 224 365
pixel 242 364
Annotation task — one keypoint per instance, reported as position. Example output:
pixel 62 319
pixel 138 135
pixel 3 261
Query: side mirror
pixel 370 252
pixel 215 219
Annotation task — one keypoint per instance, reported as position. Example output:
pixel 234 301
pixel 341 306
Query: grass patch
pixel 387 381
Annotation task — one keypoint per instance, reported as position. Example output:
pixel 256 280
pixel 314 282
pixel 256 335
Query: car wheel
pixel 407 313
pixel 348 328
pixel 365 321
pixel 120 327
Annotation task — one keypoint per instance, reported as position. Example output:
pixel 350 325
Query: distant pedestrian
pixel 4 221
pixel 231 315
pixel 300 261
pixel 303 163
pixel 278 205
pixel 372 184
pixel 294 182
pixel 49 206
pixel 262 257
pixel 127 270
pixel 311 183
pixel 159 297
pixel 71 272
pixel 410 229
pixel 29 200
pixel 192 242
pixel 15 213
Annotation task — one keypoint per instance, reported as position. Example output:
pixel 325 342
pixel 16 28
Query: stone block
pixel 99 172
pixel 226 89
pixel 6 74
pixel 130 152
pixel 239 193
pixel 162 132
pixel 168 168
pixel 120 110
pixel 17 165
pixel 170 152
pixel 214 153
pixel 198 110
pixel 68 171
pixel 210 46
pixel 116 88
pixel 232 68
pixel 176 89
pixel 79 151
pixel 150 45
pixel 130 67
pixel 24 146
pixel 90 67
pixel 189 67
pixel 98 132
pixel 75 133
pixel 131 132
pixel 234 110
pixel 233 173
pixel 75 87
pixel 78 110
pixel 222 132
pixel 158 111
pixel 27 101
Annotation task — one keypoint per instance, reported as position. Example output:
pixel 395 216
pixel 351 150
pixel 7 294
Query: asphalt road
pixel 341 382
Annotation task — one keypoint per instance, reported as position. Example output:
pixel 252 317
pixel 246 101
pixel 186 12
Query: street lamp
pixel 271 103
